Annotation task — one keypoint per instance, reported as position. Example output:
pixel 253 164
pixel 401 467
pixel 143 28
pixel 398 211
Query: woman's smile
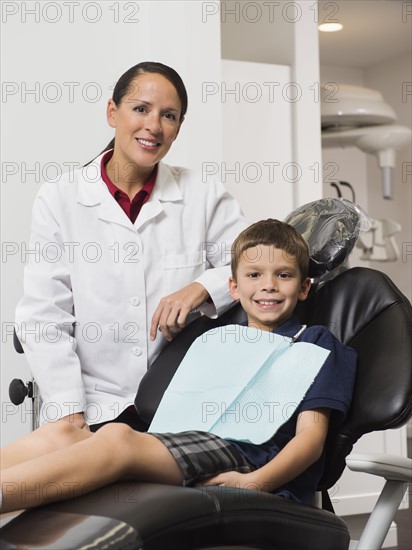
pixel 148 145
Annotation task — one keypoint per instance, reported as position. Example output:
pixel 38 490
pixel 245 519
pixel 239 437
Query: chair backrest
pixel 363 309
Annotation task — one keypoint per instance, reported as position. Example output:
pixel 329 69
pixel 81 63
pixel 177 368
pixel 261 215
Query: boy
pixel 270 263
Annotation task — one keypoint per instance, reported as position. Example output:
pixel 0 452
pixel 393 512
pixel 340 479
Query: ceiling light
pixel 330 27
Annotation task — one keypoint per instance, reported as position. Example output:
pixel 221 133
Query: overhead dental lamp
pixel 355 116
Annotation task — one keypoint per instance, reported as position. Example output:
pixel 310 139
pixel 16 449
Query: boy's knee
pixel 119 442
pixel 116 433
pixel 60 433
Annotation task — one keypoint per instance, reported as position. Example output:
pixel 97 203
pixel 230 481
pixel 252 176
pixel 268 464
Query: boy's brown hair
pixel 272 233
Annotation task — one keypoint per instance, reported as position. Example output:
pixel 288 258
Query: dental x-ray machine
pixel 356 116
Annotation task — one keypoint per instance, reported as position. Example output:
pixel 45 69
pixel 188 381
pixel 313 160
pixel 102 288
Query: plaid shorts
pixel 201 455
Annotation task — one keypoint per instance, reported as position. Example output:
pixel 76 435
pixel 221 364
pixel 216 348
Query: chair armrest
pixel 391 467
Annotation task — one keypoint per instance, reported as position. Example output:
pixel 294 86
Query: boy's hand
pixel 237 480
pixel 172 311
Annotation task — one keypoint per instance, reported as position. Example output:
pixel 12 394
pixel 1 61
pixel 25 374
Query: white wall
pixel 257 165
pixel 279 131
pixel 89 49
pixel 394 79
pixel 391 78
pixel 337 74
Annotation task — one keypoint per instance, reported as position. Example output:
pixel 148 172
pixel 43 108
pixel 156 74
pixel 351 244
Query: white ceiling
pixel 373 31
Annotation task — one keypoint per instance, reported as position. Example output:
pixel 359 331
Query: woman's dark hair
pixel 124 83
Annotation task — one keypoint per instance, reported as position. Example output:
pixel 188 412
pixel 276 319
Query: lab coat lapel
pixel 165 189
pixel 93 192
pixel 111 211
pixel 96 195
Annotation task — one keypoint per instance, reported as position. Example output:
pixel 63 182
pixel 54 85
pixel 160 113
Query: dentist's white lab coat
pixel 95 279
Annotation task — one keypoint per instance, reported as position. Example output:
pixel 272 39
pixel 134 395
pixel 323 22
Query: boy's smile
pixel 268 285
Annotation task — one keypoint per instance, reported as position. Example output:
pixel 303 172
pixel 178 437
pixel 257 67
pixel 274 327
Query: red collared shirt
pixel 130 207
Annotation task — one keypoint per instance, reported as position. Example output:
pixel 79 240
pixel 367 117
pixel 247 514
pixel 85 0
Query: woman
pixel 130 247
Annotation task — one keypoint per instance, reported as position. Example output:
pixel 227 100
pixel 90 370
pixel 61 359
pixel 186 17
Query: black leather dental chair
pixel 365 310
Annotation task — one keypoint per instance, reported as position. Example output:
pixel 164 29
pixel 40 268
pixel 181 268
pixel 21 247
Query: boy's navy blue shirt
pixel 332 389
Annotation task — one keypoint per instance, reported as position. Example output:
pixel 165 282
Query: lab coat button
pixel 137 350
pixel 135 301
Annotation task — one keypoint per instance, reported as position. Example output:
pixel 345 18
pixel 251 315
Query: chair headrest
pixel 331 228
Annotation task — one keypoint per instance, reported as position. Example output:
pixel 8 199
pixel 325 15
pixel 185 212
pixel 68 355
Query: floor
pixel 403 520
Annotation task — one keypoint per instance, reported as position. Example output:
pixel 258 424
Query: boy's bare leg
pixel 113 453
pixel 48 438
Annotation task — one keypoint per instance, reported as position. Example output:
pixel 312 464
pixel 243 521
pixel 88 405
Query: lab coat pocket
pixel 182 269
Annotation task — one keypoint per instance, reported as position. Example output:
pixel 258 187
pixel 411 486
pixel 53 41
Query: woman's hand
pixel 237 480
pixel 172 311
